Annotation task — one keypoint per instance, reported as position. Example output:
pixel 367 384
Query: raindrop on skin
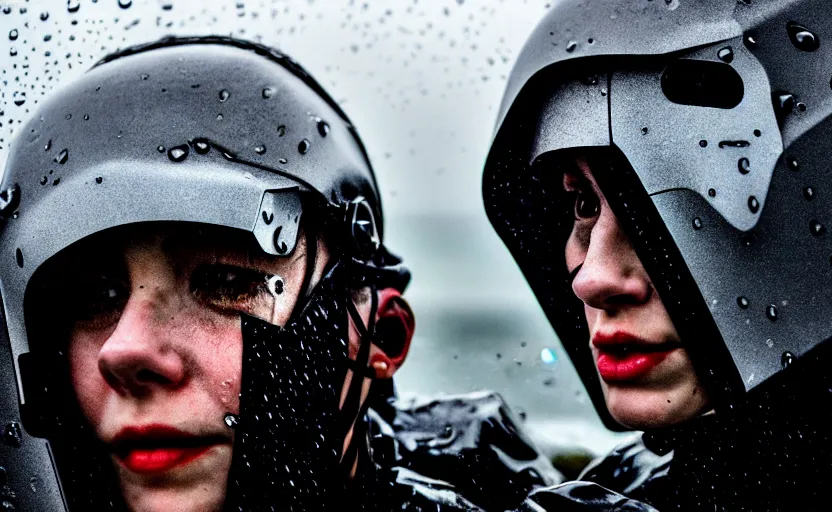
pixel 231 420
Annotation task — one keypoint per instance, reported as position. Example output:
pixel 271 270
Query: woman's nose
pixel 138 356
pixel 611 276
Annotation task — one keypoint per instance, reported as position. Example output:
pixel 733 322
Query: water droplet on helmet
pixel 809 193
pixel 268 92
pixel 73 5
pixel 802 38
pixel 13 34
pixel 783 104
pixel 260 150
pixel 18 256
pixel 44 16
pixel 178 153
pixel 283 161
pixel 742 302
pixel 645 130
pixel 712 192
pixel 697 223
pixel 125 4
pixel 63 156
pixel 733 144
pixel 703 143
pixel 571 45
pixel 12 434
pixel 43 180
pixel 232 420
pixel 817 228
pixel 787 359
pixel 201 146
pixel 750 41
pixel 48 145
pixel 281 130
pixel 13 53
pixel 160 148
pixel 801 106
pixel 753 204
pixel 323 128
pixel 757 133
pixel 744 165
pixel 726 54
pixel 792 163
pixel 99 180
pixel 224 95
pixel 304 146
pixel 771 312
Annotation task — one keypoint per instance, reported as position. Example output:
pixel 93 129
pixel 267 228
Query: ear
pixel 393 333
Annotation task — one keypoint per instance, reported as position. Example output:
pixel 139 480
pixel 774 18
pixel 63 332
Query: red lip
pixel 623 357
pixel 159 448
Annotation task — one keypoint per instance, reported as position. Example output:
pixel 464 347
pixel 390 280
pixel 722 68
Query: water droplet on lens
pixel 809 193
pixel 260 150
pixel 771 312
pixel 201 146
pixel 712 192
pixel 703 143
pixel 753 204
pixel 787 359
pixel 224 95
pixel 742 302
pixel 231 420
pixel 160 148
pixel 304 146
pixel 18 256
pixel 268 92
pixel 62 157
pixel 817 228
pixel 13 34
pixel 281 130
pixel 323 128
pixel 178 153
pixel 570 47
pixel 802 38
pixel 726 54
pixel 697 223
pixel 744 166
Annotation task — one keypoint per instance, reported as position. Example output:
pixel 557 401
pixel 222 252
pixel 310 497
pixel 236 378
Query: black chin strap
pixel 353 410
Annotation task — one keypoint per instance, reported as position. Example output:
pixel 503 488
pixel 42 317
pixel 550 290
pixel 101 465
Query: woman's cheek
pixel 87 381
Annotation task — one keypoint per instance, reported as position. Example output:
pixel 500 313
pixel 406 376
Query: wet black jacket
pixel 466 453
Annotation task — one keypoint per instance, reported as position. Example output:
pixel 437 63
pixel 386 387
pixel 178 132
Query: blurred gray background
pixel 422 80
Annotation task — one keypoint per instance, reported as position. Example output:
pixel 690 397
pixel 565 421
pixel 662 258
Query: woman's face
pixel 155 351
pixel 646 376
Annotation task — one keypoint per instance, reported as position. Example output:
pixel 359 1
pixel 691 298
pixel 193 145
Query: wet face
pixel 155 350
pixel 646 376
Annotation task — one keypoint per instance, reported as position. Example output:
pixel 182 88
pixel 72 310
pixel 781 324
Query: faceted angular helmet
pixel 709 122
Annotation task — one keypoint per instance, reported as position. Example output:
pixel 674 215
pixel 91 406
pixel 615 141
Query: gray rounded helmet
pixel 712 118
pixel 206 130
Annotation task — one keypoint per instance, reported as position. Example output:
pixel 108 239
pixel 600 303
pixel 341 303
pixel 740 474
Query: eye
pixel 587 205
pixel 98 300
pixel 228 287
